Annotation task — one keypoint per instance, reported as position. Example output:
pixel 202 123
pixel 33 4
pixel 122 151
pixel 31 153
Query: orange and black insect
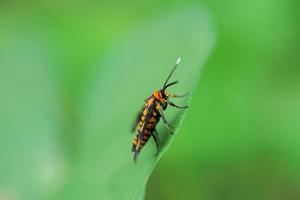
pixel 150 115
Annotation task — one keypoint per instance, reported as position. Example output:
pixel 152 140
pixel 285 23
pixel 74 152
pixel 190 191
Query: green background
pixel 64 101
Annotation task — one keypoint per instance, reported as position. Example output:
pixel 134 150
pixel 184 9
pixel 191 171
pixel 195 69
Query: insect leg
pixel 165 121
pixel 156 140
pixel 174 105
pixel 179 96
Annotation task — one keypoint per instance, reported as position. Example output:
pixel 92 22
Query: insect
pixel 148 118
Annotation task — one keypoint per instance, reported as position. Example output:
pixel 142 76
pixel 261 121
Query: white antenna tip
pixel 178 61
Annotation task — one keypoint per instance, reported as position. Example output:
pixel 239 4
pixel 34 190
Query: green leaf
pixel 47 155
pixel 136 67
pixel 29 126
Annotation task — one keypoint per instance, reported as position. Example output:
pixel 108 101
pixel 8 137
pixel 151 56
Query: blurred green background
pixel 240 138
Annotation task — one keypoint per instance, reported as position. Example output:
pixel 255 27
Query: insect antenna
pixel 172 83
pixel 167 85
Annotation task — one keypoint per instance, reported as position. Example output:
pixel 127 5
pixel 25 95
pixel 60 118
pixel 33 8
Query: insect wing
pixel 137 120
pixel 143 127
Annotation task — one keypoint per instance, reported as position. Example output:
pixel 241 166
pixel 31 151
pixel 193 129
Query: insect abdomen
pixel 150 125
pixel 143 141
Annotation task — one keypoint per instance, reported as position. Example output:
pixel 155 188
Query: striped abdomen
pixel 146 126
